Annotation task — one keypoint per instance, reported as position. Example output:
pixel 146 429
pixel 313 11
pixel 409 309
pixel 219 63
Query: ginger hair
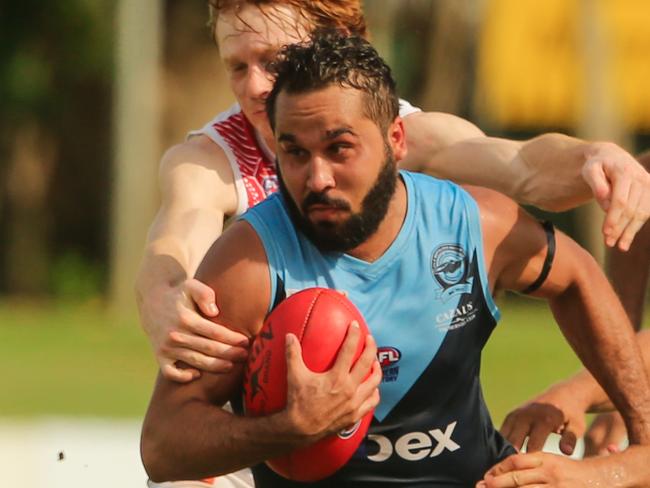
pixel 343 15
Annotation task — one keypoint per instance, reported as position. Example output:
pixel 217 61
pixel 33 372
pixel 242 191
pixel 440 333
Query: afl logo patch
pixel 450 268
pixel 388 358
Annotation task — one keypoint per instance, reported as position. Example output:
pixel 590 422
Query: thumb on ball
pixel 293 354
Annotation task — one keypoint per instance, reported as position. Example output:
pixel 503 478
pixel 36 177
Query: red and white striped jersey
pixel 251 161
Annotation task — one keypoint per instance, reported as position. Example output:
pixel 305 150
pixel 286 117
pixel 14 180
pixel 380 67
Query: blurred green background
pixel 74 361
pixel 93 91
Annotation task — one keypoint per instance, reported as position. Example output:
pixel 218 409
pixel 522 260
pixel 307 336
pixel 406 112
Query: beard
pixel 346 235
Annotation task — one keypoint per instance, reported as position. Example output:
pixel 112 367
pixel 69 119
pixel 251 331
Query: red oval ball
pixel 319 318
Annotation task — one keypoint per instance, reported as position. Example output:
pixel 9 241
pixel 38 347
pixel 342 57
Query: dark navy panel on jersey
pixel 428 305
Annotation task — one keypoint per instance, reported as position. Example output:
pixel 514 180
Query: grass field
pixel 68 360
pixel 63 360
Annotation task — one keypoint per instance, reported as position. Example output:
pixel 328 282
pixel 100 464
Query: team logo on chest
pixel 270 184
pixel 450 268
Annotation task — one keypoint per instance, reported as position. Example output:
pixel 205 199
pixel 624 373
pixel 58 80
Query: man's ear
pixel 397 138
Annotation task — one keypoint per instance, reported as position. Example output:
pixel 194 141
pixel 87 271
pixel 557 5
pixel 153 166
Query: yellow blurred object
pixel 532 61
pixel 628 28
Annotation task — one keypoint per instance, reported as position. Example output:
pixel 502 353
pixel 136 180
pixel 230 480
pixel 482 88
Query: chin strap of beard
pixel 548 262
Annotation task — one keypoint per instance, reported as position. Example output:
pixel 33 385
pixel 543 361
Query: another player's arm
pixel 197 192
pixel 629 272
pixel 629 469
pixel 562 408
pixel 583 303
pixel 186 433
pixel 552 171
pixel 581 393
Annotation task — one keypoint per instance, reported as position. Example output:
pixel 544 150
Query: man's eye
pixel 339 148
pixel 238 68
pixel 267 65
pixel 294 151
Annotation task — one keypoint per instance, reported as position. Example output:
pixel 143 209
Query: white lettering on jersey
pixel 415 446
pixel 455 318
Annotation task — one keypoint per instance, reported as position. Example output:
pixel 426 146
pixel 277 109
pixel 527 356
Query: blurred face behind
pixel 248 41
pixel 337 168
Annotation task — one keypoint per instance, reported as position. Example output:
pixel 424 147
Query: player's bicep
pixel 197 175
pixel 195 198
pixel 522 254
pixel 237 269
pixel 540 261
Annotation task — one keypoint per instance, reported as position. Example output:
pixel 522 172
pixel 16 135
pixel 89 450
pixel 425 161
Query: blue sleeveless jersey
pixel 427 303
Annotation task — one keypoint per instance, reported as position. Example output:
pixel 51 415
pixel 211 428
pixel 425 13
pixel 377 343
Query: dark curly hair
pixel 334 58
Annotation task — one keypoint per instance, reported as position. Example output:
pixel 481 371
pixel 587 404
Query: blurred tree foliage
pixel 55 98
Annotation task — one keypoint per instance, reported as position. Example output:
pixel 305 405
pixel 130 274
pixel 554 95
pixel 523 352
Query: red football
pixel 319 318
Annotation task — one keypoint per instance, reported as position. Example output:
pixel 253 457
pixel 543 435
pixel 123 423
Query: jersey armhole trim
pixel 242 196
pixel 260 228
pixel 476 235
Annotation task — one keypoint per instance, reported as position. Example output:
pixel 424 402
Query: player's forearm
pixel 629 272
pixel 594 322
pixel 544 171
pixel 584 386
pixel 196 440
pixel 164 263
pixel 628 469
pixel 162 268
pixel 551 167
pixel 176 244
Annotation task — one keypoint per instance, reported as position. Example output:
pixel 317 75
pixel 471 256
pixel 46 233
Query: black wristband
pixel 548 262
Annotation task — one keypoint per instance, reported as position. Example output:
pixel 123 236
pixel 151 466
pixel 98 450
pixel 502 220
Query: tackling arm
pixel 186 434
pixel 553 171
pixel 562 407
pixel 630 271
pixel 197 192
pixel 580 394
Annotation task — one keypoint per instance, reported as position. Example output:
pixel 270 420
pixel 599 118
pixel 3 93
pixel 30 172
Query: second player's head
pixel 249 34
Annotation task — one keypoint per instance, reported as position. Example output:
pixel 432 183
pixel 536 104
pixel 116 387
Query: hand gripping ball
pixel 319 318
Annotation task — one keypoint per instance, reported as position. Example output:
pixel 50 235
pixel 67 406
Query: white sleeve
pixel 405 108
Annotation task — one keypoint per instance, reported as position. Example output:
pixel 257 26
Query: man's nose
pixel 259 82
pixel 321 176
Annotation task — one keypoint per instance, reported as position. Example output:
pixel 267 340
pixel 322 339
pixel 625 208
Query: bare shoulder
pixel 199 150
pixel 236 267
pixel 511 238
pixel 198 169
pixel 498 212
